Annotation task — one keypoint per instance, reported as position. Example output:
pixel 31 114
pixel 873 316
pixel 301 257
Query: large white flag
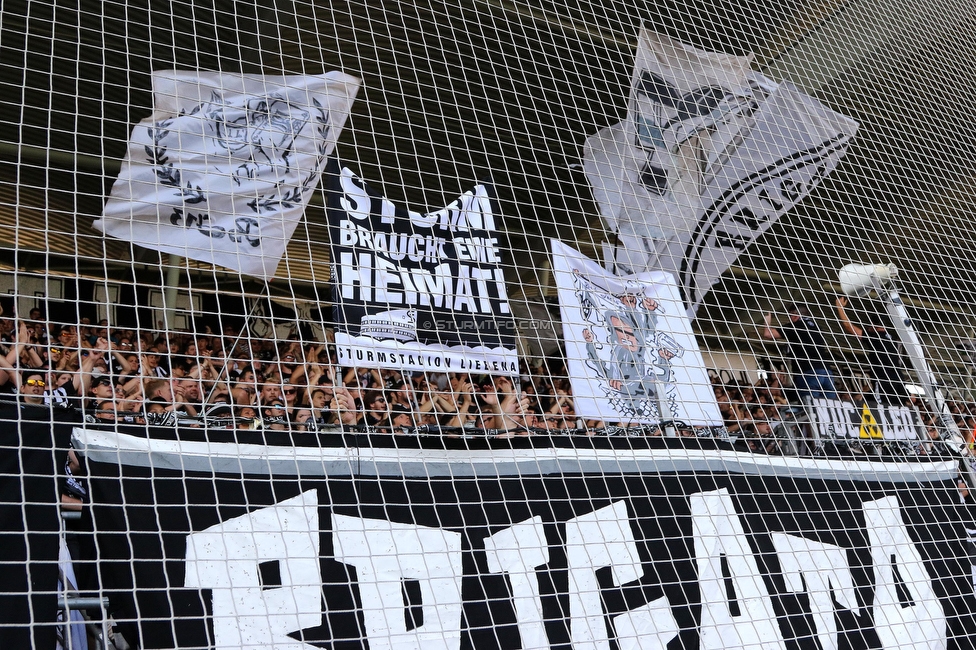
pixel 630 351
pixel 223 168
pixel 686 110
pixel 794 143
pixel 758 153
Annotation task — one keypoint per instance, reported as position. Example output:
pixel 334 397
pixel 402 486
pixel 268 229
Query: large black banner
pixel 356 542
pixel 33 451
pixel 418 291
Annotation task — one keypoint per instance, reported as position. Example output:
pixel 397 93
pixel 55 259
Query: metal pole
pixel 902 324
pixel 859 280
pixel 170 291
pixel 244 331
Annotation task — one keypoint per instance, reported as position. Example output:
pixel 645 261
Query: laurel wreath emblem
pixel 295 196
pixel 165 172
pixel 170 176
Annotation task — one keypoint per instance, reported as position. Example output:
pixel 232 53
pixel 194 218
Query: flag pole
pixel 229 353
pixel 170 290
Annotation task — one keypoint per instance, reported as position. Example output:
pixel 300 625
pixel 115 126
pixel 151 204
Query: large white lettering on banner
pixel 820 570
pixel 223 168
pixel 630 351
pixel 385 554
pixel 418 291
pixel 718 535
pixel 920 622
pixel 600 539
pixel 263 570
pixel 228 559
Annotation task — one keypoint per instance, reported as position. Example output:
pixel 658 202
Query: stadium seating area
pixel 233 380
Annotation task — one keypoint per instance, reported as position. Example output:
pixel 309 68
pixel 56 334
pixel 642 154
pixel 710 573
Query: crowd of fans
pixel 234 380
pixel 756 413
pixel 226 379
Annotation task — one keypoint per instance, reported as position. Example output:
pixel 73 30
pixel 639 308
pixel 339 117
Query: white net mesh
pixel 389 324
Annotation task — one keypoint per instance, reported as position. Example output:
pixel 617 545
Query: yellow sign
pixel 869 425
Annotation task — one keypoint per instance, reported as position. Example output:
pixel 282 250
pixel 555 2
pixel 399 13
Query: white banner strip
pixel 235 458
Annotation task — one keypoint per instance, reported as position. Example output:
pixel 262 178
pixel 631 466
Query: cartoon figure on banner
pixel 632 358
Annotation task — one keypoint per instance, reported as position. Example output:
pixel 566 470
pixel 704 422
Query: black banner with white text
pixel 601 543
pixel 418 291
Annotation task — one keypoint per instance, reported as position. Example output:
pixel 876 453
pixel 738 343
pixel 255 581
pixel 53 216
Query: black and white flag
pixel 223 168
pixel 839 419
pixel 741 155
pixel 687 109
pixel 630 350
pixel 418 291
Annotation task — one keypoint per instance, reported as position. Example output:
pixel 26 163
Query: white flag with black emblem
pixel 686 110
pixel 710 155
pixel 222 170
pixel 630 351
pixel 794 143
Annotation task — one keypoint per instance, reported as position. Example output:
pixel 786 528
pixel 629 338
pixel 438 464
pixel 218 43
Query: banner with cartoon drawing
pixel 630 350
pixel 222 170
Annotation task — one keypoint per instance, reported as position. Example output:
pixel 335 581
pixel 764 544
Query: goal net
pixel 487 324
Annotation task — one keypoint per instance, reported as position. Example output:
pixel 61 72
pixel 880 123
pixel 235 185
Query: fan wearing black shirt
pixel 808 351
pixel 886 364
pixel 377 411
